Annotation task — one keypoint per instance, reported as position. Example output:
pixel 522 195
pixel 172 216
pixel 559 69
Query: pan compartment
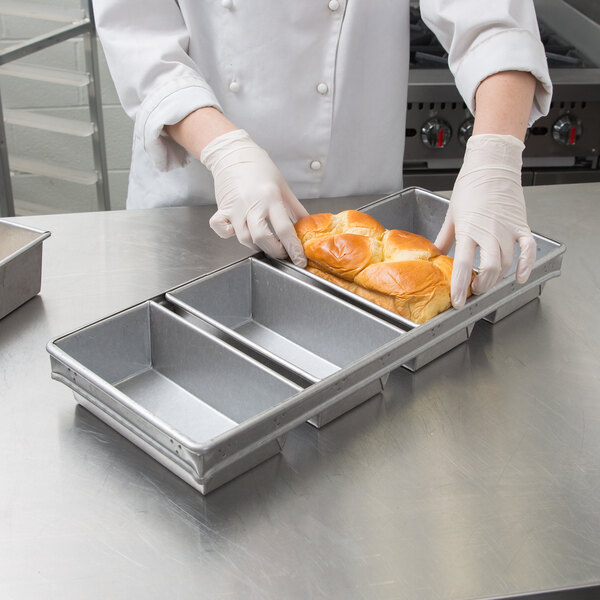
pixel 306 330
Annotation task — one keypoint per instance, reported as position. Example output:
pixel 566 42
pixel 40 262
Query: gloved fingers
pixel 262 236
pixel 462 270
pixel 527 257
pixel 221 225
pixel 283 227
pixel 245 237
pixel 507 255
pixel 490 267
pixel 445 237
pixel 294 206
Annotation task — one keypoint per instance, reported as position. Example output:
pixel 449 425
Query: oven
pixel 562 147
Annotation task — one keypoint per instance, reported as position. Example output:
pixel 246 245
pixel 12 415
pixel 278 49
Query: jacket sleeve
pixel 482 40
pixel 145 43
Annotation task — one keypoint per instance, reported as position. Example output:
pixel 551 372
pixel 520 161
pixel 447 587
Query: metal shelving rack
pixel 73 23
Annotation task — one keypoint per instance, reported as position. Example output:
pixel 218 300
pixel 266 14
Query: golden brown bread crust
pixel 402 245
pixel 349 221
pixel 384 300
pixel 345 254
pixel 397 270
pixel 419 288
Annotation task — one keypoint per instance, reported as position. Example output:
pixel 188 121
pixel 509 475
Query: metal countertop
pixel 478 476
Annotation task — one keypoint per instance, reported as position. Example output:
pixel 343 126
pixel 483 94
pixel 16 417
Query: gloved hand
pixel 251 194
pixel 487 209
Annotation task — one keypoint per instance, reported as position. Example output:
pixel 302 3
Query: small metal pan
pixel 423 212
pixel 20 264
pixel 307 331
pixel 170 388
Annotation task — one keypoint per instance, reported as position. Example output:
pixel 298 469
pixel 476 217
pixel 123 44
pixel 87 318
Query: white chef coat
pixel 320 84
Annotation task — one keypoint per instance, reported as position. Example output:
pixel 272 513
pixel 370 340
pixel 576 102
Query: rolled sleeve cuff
pixel 510 50
pixel 166 106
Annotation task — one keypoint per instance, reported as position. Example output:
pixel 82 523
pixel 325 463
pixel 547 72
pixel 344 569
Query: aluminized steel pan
pixel 208 406
pixel 423 212
pixel 304 329
pixel 20 264
pixel 172 389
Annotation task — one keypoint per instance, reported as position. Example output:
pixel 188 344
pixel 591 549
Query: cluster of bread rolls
pixel 397 270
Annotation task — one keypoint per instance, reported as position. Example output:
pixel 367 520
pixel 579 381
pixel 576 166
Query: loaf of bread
pixel 397 270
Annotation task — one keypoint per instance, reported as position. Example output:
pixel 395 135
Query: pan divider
pixel 235 343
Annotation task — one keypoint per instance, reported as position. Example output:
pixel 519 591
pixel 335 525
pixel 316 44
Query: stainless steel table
pixel 477 476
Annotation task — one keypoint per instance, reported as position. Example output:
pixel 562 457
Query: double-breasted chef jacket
pixel 320 84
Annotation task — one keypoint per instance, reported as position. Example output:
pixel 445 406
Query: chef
pixel 255 103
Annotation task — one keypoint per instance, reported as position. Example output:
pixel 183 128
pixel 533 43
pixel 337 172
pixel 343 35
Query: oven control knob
pixel 465 131
pixel 436 133
pixel 567 130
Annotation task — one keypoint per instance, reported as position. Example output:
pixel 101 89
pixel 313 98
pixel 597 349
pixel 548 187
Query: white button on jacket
pixel 169 58
pixel 322 88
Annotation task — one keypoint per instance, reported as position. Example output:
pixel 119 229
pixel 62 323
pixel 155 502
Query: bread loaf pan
pixel 423 212
pixel 199 401
pixel 20 264
pixel 163 382
pixel 304 329
pixel 172 389
pixel 447 340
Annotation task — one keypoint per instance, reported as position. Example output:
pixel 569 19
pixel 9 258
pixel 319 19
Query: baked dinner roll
pixel 398 270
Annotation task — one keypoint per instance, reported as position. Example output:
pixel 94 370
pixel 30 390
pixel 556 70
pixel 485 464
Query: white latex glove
pixel 487 209
pixel 251 194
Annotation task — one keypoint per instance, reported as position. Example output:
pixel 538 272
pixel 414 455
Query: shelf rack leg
pixel 7 207
pixel 95 103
